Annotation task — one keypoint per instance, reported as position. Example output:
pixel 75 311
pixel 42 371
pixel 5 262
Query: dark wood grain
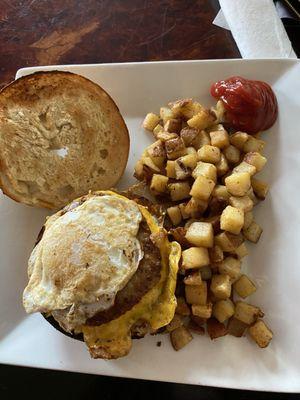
pixel 47 32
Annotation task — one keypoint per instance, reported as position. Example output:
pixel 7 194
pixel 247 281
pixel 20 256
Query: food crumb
pixel 158 344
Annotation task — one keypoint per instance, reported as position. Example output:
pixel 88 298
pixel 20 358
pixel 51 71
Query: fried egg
pixel 84 258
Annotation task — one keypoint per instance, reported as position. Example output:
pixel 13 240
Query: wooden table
pixel 45 32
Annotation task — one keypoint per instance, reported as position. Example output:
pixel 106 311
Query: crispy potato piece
pixel 194 327
pixel 146 160
pixel 191 150
pixel 244 203
pixel 247 313
pixel 253 144
pixel 195 257
pixel 230 266
pixel 173 125
pixel 175 148
pixel 202 311
pixel 238 184
pixel 150 121
pixel 241 251
pixel 184 213
pixel 200 140
pixel 228 242
pixel 139 170
pixel 222 166
pixel 215 329
pixel 159 184
pixel 232 220
pixel 209 154
pixel 159 128
pixel 185 108
pixel 166 113
pixel 193 279
pixel 244 167
pixel 244 287
pixel 182 308
pixel 261 334
pixel 180 337
pixel 260 188
pixel 219 138
pixel 202 120
pixel 221 192
pixel 200 234
pixel 216 206
pixel 202 188
pixel 195 207
pixel 232 154
pixel 216 254
pixel 205 169
pixel 248 218
pixel 206 273
pixel 221 286
pixel 175 323
pixel 165 136
pixel 238 139
pixel 179 190
pixel 170 169
pixel 253 232
pixel 236 328
pixel 157 153
pixel 196 294
pixel 174 215
pixel 188 135
pixel 256 159
pixel 222 310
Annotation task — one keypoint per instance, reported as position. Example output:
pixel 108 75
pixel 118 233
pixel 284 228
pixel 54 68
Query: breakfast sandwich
pixel 60 136
pixel 103 267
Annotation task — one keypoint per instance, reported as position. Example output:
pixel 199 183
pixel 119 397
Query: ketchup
pixel 251 106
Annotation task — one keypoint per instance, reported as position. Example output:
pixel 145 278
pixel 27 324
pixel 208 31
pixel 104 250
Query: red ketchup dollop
pixel 251 106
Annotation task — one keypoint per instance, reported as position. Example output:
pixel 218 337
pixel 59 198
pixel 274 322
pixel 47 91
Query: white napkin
pixel 256 28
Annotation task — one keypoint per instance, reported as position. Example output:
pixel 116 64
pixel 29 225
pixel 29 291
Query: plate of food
pixel 149 221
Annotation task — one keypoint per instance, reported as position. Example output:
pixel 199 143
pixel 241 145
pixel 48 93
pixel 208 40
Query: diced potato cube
pixel 189 160
pixel 200 234
pixel 175 148
pixel 150 121
pixel 188 135
pixel 166 113
pixel 202 120
pixel 157 153
pixel 195 207
pixel 260 188
pixel 174 215
pixel 238 184
pixel 232 154
pixel 182 308
pixel 179 190
pixel 247 313
pixel 221 286
pixel 219 139
pixel 139 170
pixel 196 294
pixel 205 169
pixel 243 203
pixel 248 218
pixel 228 242
pixel 230 266
pixel 172 125
pixel 164 136
pixel 236 328
pixel 170 169
pixel 252 196
pixel 179 106
pixel 255 159
pixel 261 333
pixel 215 127
pixel 200 140
pixel 159 183
pixel 202 311
pixel 205 273
pixel 209 154
pixel 221 192
pixel 222 166
pixel 253 232
pixel 244 167
pixel 180 337
pixel 149 163
pixel 232 220
pixel 175 323
pixel 184 213
pixel 202 188
pixel 215 329
pixel 159 128
pixel 216 254
pixel 244 287
pixel 181 171
pixel 253 144
pixel 241 251
pixel 193 279
pixel 238 139
pixel 195 257
pixel 223 309
pixel 191 150
pixel 219 110
pixel 215 221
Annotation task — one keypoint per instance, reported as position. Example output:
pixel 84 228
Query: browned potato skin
pixel 180 337
pixel 215 329
pixel 236 328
